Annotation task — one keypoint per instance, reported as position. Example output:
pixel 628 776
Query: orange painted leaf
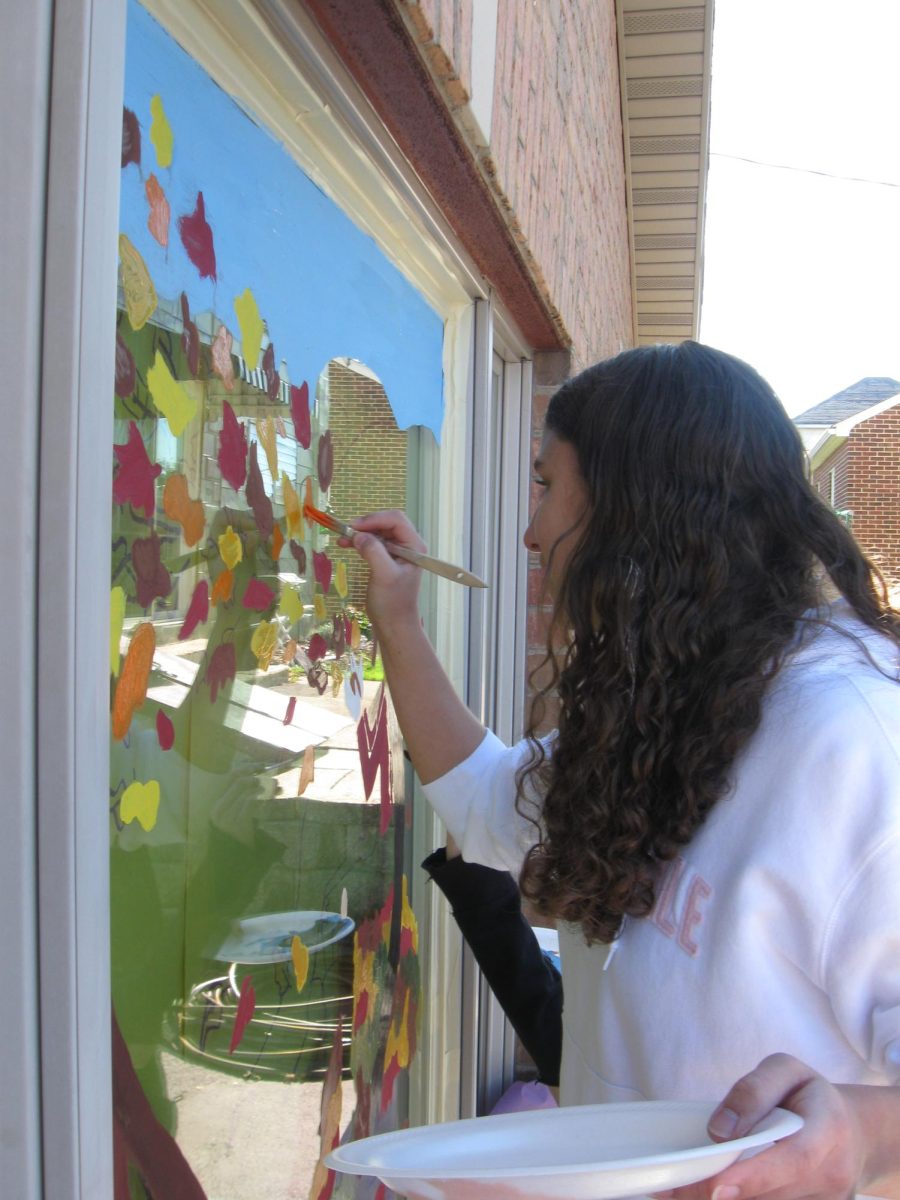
pixel 131 686
pixel 223 587
pixel 178 505
pixel 158 217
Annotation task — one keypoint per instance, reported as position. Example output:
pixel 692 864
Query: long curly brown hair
pixel 703 547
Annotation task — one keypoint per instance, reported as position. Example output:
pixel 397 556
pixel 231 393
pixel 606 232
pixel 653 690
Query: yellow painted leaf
pixel 231 548
pixel 319 605
pixel 397 1044
pixel 140 802
pixel 263 643
pixel 408 918
pixel 291 604
pixel 355 634
pixel 140 294
pixel 300 959
pixel 116 621
pixel 251 326
pixel 340 579
pixel 176 405
pixel 161 132
pixel 265 431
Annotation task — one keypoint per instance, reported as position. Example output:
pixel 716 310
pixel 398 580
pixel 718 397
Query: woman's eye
pixel 537 480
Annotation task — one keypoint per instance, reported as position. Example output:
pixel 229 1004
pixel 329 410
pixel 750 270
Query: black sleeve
pixel 488 910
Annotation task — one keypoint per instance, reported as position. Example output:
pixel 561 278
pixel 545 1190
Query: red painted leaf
pixel 270 371
pixel 245 1010
pixel 318 648
pixel 258 499
pixel 317 677
pixel 300 555
pixel 374 755
pixel 258 596
pixel 131 138
pixel 165 731
pixel 221 669
pixel 289 714
pixel 197 239
pixel 190 337
pixel 198 610
pixel 338 637
pixel 300 414
pixel 322 570
pixel 325 460
pixel 134 481
pixel 151 577
pixel 232 448
pixel 126 373
pixel 391 1071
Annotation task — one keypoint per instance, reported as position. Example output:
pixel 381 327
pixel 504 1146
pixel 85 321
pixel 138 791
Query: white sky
pixel 802 272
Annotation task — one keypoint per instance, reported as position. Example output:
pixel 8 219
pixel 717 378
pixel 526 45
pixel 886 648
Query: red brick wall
pixel 839 462
pixel 556 160
pixel 867 478
pixel 874 489
pixel 369 459
pixel 556 144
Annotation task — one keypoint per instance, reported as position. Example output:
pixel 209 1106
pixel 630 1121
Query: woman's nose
pixel 528 537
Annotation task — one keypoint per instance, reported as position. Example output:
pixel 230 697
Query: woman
pixel 716 822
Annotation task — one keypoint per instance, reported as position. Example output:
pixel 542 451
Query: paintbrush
pixel 436 565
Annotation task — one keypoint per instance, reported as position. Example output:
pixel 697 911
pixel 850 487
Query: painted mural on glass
pixel 266 983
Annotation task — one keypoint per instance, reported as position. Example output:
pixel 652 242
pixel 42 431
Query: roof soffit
pixel 665 49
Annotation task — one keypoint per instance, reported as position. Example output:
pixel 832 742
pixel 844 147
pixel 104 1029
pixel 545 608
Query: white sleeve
pixel 476 800
pixel 862 959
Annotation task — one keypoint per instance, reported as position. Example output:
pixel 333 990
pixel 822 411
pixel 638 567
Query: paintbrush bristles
pixel 326 520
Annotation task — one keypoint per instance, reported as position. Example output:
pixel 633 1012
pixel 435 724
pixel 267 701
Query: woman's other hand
pixel 849 1143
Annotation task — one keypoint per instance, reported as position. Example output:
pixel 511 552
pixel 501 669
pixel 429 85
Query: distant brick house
pixel 853 442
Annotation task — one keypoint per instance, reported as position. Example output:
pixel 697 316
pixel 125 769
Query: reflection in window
pixel 266 984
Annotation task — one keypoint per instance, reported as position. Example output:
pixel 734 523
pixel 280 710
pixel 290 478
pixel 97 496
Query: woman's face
pixel 561 507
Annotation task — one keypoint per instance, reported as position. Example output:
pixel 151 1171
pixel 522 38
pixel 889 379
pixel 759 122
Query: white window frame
pixel 497 496
pixel 55 861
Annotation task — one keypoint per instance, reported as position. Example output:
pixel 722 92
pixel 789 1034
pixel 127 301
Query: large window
pixel 266 977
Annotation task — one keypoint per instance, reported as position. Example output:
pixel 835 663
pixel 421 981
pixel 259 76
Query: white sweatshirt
pixel 778 927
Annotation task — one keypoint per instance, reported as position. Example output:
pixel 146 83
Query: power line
pixel 756 162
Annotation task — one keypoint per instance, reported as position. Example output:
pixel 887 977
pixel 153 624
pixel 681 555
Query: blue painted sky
pixel 323 287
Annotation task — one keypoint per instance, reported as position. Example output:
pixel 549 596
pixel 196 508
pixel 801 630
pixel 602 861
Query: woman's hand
pixel 439 730
pixel 850 1140
pixel 392 598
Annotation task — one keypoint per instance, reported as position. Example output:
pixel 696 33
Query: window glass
pixel 265 960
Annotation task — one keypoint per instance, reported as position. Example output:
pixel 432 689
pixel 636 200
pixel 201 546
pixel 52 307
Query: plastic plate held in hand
pixel 586 1152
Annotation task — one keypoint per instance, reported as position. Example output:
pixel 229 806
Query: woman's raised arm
pixel 438 728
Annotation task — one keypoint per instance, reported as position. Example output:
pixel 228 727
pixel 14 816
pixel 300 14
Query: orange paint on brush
pixel 326 520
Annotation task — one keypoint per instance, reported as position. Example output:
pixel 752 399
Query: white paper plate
pixel 267 938
pixel 585 1152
